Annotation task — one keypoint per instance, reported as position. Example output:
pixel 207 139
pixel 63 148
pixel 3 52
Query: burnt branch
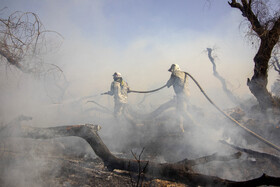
pixel 232 97
pixel 171 171
pixel 209 158
pixel 23 37
pixel 246 9
pixel 23 41
pixel 141 171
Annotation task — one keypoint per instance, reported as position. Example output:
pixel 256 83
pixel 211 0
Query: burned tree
pixel 23 38
pixel 265 24
pixel 23 42
pixel 230 95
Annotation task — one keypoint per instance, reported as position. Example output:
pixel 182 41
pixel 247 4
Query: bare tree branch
pixel 247 12
pixel 232 97
pixel 23 35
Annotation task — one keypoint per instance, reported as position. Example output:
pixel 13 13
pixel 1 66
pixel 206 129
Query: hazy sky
pixel 141 39
pixel 124 20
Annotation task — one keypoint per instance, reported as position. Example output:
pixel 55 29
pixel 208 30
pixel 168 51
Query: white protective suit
pixel 179 81
pixel 119 89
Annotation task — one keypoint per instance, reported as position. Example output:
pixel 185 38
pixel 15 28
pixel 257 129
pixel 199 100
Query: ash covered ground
pixel 70 161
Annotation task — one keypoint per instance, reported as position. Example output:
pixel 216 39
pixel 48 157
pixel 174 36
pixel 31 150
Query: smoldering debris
pixel 101 150
pixel 67 158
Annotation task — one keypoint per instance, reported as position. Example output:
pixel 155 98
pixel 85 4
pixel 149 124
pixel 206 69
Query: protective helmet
pixel 117 75
pixel 174 67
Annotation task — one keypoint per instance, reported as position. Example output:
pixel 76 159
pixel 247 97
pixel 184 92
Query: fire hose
pixel 233 120
pixel 220 110
pixel 150 91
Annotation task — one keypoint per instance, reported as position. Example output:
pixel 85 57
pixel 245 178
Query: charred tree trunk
pixel 258 83
pixel 179 172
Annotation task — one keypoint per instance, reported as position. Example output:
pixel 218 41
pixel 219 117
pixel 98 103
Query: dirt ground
pixel 59 167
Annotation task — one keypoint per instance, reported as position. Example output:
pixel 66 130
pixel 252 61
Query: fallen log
pixel 179 172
